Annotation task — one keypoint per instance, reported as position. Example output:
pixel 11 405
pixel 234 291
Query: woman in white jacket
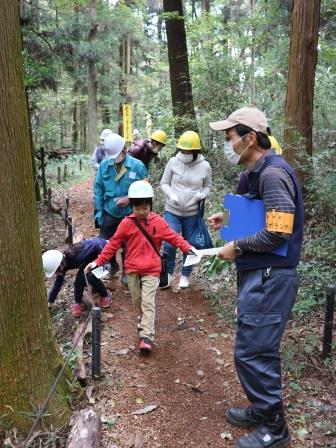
pixel 185 181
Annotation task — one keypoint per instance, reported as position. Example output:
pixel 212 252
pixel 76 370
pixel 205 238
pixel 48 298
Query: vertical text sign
pixel 127 122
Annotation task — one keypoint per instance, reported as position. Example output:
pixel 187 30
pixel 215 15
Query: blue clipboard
pixel 245 218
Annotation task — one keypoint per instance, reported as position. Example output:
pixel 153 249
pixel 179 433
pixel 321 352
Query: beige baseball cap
pixel 248 116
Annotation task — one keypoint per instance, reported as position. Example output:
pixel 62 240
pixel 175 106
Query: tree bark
pixel 181 90
pixel 301 79
pixel 75 117
pixel 29 357
pixel 253 45
pixel 92 81
pixel 206 5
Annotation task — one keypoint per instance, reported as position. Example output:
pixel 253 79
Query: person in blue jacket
pixel 268 283
pixel 114 176
pixel 76 257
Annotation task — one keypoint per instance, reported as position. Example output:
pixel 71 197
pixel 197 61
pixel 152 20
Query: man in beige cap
pixel 268 282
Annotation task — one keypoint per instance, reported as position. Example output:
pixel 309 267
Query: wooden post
pixel 330 291
pixel 44 185
pixel 59 177
pixel 49 200
pixel 65 173
pixel 85 430
pixel 80 164
pixel 96 313
pixel 70 231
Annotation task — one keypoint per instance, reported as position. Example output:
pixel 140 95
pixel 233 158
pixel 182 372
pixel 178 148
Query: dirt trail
pixel 189 376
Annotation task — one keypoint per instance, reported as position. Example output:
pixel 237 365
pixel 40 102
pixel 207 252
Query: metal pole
pixel 70 231
pixel 66 213
pixel 330 291
pixel 96 314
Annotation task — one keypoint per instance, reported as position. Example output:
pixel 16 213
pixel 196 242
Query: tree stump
pixel 85 432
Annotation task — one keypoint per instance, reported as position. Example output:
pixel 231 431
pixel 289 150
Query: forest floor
pixel 189 379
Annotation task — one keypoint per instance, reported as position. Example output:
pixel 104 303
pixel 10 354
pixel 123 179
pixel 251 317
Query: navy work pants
pixel 107 230
pixel 80 283
pixel 265 299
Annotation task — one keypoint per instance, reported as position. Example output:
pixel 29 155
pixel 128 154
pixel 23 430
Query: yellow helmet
pixel 275 145
pixel 159 136
pixel 189 141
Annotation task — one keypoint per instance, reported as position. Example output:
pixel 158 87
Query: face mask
pixel 186 158
pixel 231 154
pixel 155 149
pixel 120 158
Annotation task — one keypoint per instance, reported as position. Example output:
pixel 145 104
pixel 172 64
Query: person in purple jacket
pixel 76 257
pixel 146 150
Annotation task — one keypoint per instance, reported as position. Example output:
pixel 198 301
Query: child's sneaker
pixel 76 310
pixel 105 302
pixel 145 345
pixel 184 282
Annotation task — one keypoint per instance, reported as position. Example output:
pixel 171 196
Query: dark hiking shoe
pixel 244 416
pixel 264 437
pixel 145 345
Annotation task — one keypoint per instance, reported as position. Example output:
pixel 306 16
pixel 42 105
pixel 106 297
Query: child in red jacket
pixel 142 262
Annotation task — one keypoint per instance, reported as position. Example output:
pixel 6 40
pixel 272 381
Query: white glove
pixel 192 251
pixel 174 198
pixel 89 267
pixel 199 196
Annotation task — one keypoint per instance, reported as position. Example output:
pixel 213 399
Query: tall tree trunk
pixel 125 71
pixel 29 358
pixel 83 121
pixel 181 90
pixel 206 5
pixel 301 79
pixel 31 141
pixel 75 117
pixel 92 82
pixel 253 84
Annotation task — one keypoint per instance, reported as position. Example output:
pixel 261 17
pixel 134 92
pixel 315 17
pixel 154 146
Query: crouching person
pixel 76 257
pixel 141 231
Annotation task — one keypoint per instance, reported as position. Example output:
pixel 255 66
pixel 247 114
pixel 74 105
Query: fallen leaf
pixel 124 351
pixel 145 410
pixel 226 435
pixel 213 335
pixel 88 391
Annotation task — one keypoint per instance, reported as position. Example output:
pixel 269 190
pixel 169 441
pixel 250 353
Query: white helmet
pixel 104 134
pixel 140 189
pixel 51 260
pixel 113 145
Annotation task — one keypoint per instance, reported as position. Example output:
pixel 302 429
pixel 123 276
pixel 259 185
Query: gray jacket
pixel 186 180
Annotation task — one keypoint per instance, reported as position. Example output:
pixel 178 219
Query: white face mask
pixel 231 154
pixel 186 158
pixel 120 158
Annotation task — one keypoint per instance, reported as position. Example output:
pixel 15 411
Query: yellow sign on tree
pixel 127 122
